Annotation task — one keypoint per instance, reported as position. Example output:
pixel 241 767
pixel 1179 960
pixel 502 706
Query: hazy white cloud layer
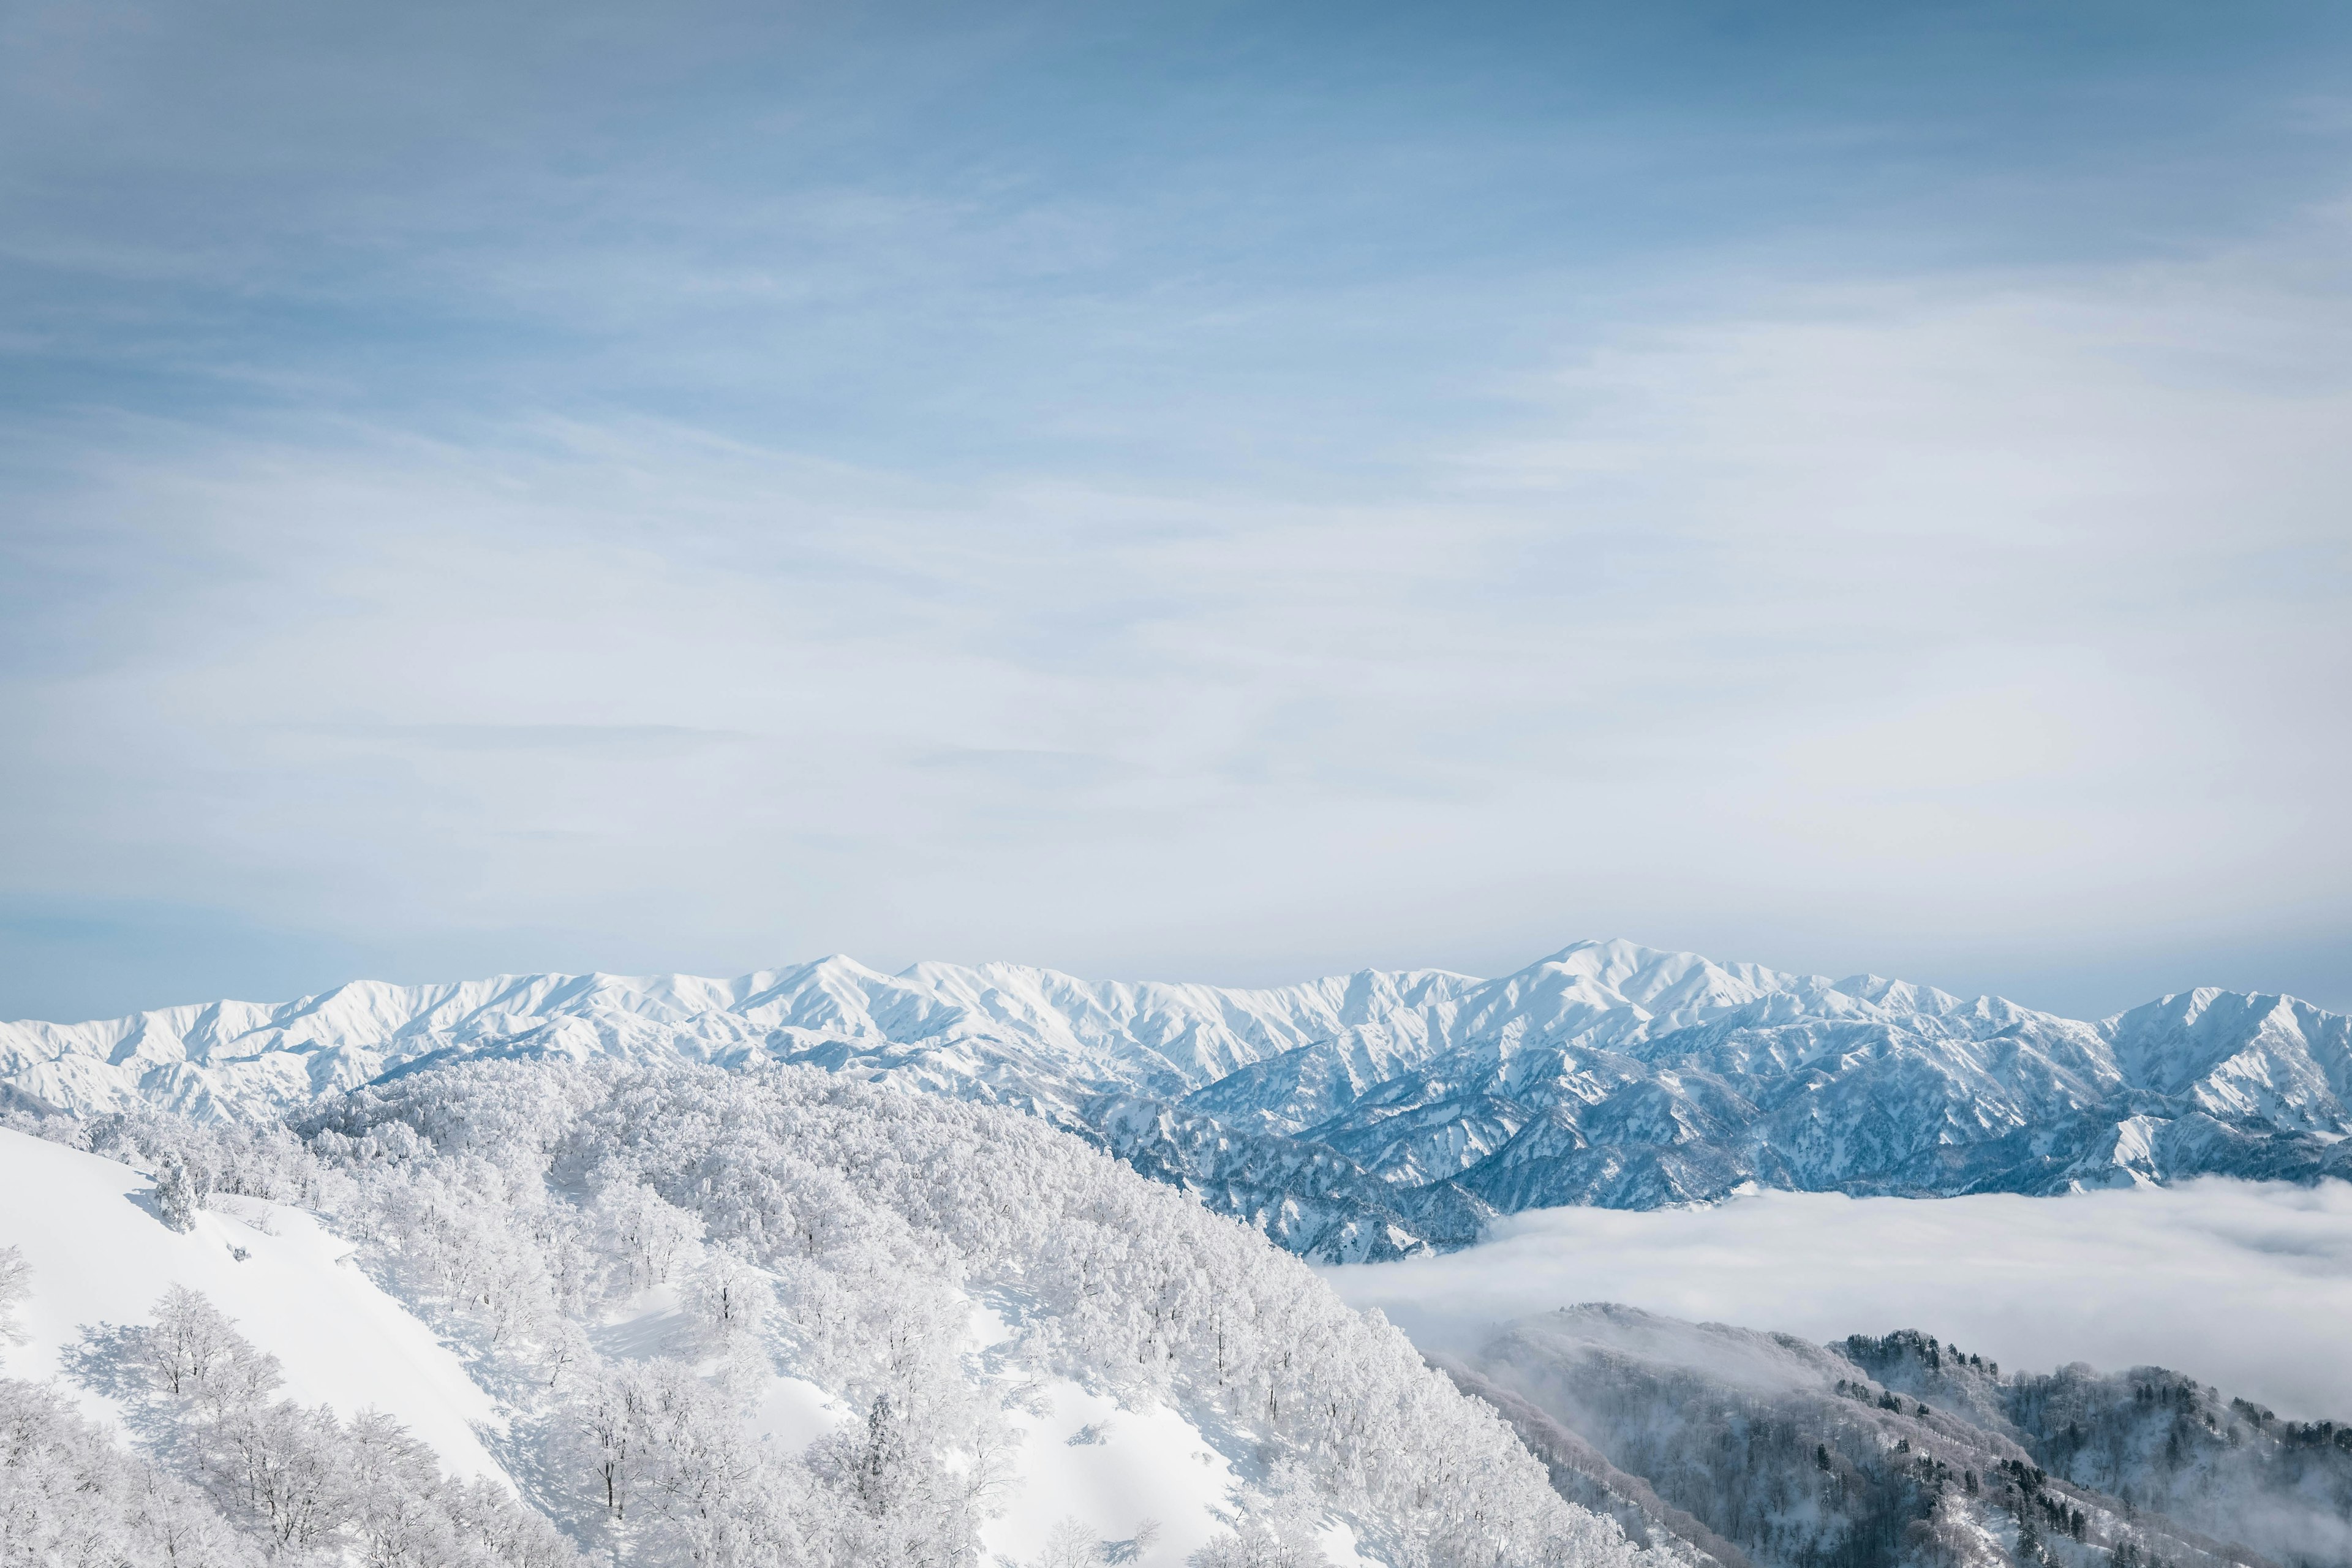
pixel 1194 492
pixel 1977 630
pixel 2247 1286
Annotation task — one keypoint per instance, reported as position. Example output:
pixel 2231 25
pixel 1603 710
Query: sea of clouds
pixel 2244 1285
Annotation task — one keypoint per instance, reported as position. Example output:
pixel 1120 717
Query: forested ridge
pixel 1903 1449
pixel 804 1221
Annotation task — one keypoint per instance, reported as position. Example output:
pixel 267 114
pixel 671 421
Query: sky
pixel 1213 492
pixel 2148 1275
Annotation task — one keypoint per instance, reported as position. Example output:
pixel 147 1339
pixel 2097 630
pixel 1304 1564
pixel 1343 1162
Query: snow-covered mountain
pixel 935 1023
pixel 1371 1114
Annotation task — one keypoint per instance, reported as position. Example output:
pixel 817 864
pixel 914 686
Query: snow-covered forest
pixel 770 1314
pixel 1774 1452
pixel 774 1317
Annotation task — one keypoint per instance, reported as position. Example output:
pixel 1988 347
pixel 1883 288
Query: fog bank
pixel 2244 1285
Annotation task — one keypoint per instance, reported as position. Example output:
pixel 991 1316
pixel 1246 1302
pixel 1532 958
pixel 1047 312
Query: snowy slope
pixel 99 1256
pixel 1114 1474
pixel 1144 1481
pixel 1368 1115
pixel 1135 1478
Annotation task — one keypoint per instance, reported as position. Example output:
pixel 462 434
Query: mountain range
pixel 1371 1115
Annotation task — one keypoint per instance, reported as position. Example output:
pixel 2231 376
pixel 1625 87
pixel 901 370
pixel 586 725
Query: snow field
pixel 100 1254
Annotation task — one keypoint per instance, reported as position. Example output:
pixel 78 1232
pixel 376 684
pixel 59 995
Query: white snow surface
pixel 100 1254
pixel 1110 1470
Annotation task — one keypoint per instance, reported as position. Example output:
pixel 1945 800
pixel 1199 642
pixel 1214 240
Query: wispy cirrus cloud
pixel 1193 494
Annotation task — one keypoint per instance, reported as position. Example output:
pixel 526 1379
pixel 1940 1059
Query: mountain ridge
pixel 1369 1114
pixel 1901 1448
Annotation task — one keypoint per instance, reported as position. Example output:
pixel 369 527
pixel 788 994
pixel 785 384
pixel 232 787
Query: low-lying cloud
pixel 2247 1286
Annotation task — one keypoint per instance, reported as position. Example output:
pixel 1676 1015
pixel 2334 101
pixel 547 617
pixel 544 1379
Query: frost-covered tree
pixel 1069 1544
pixel 71 1497
pixel 16 1289
pixel 1255 1545
pixel 194 1352
pixel 734 1299
pixel 180 1189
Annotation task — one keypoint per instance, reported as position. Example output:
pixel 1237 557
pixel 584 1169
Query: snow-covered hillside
pixel 773 1317
pixel 88 1230
pixel 1374 1114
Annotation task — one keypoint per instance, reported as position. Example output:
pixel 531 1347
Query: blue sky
pixel 1213 491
